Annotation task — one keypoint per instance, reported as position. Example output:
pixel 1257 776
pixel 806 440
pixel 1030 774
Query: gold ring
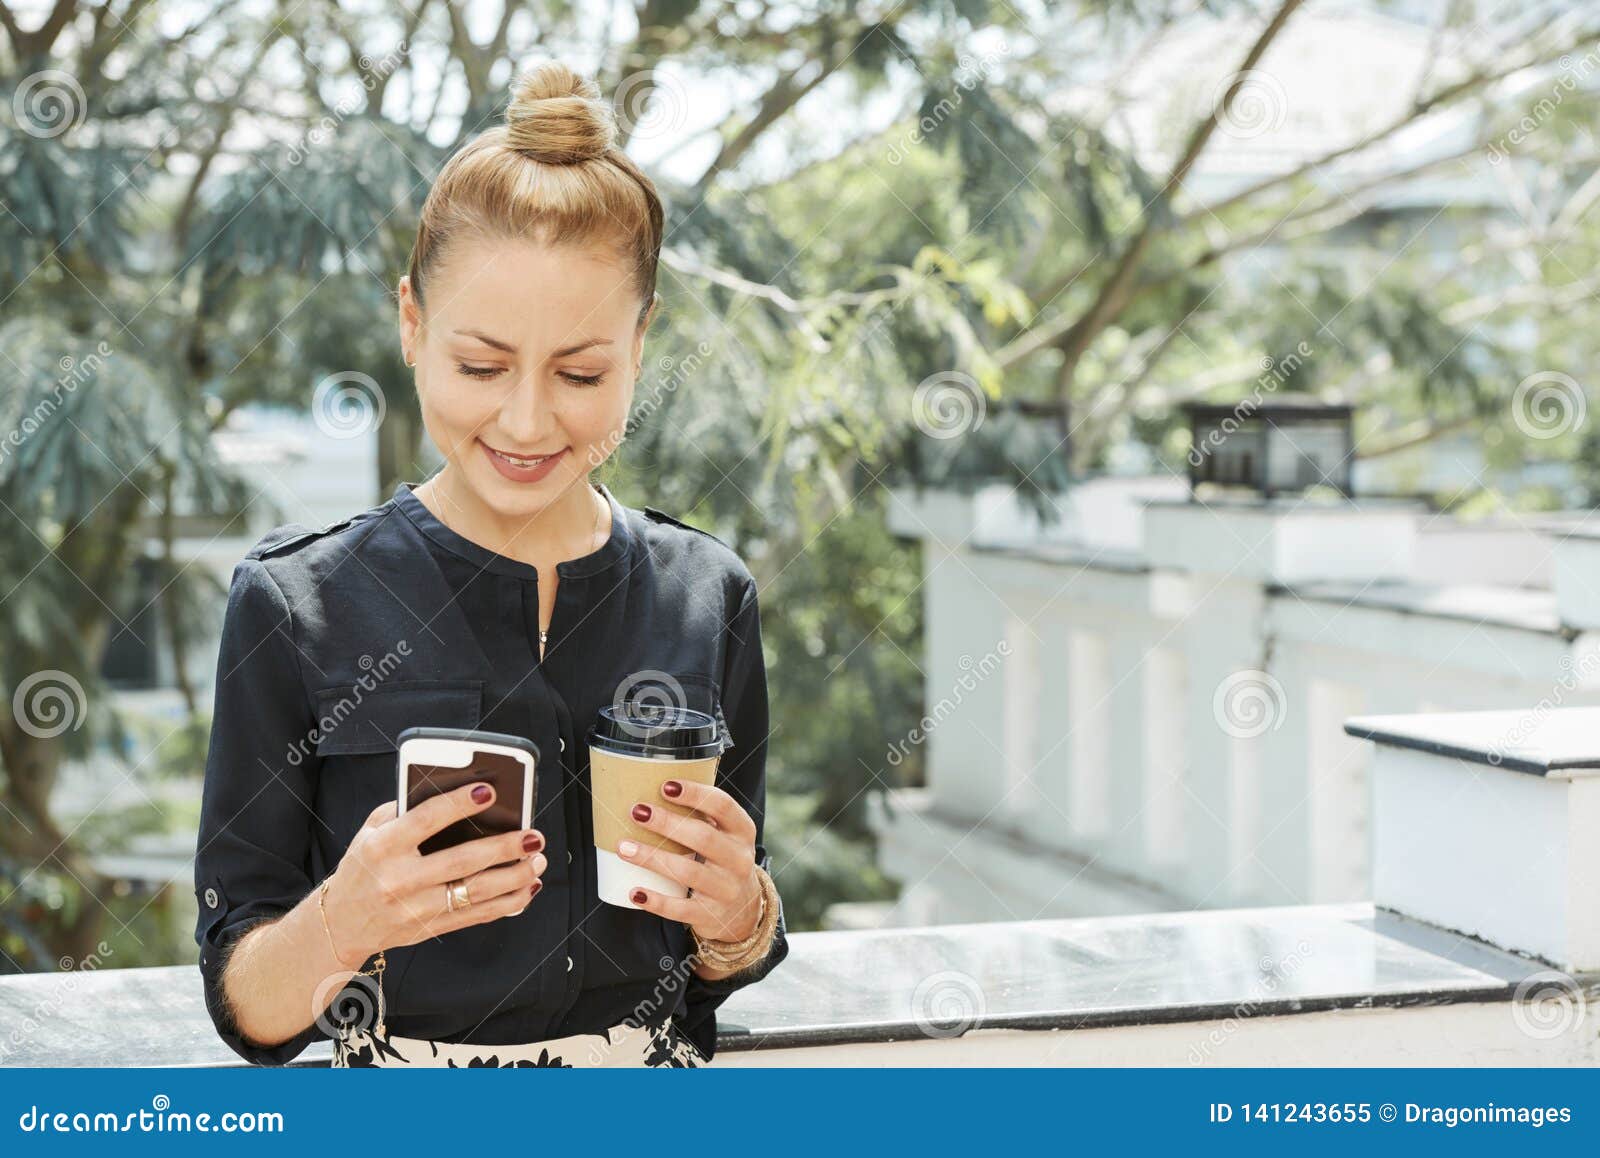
pixel 456 896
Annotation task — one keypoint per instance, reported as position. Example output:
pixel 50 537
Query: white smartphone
pixel 435 760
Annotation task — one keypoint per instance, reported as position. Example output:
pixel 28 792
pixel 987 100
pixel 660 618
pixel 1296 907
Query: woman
pixel 506 593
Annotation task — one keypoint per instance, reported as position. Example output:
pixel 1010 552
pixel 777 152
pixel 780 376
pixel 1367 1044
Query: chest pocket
pixel 358 740
pixel 352 721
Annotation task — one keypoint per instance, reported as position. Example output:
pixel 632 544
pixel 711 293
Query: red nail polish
pixel 481 793
pixel 641 812
pixel 638 896
pixel 672 788
pixel 533 890
pixel 532 842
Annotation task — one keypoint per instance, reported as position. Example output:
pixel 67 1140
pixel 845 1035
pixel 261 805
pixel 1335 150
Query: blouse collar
pixel 613 551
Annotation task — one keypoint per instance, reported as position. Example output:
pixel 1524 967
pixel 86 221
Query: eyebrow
pixel 510 349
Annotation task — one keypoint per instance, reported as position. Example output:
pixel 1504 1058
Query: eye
pixel 477 371
pixel 583 379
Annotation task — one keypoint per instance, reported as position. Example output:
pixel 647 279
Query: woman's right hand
pixel 385 893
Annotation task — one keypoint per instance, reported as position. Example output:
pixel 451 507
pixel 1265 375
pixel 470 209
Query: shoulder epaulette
pixel 282 540
pixel 663 517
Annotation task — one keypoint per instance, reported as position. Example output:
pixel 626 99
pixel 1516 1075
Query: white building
pixel 1142 709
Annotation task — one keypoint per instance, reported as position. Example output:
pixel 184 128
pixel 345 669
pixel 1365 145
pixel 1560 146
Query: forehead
pixel 532 294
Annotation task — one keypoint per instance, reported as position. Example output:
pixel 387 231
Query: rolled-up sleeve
pixel 253 852
pixel 744 701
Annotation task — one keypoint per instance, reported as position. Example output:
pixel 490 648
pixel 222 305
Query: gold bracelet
pixel 735 956
pixel 322 892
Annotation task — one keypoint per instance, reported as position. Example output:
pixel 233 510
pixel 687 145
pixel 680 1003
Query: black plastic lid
pixel 659 731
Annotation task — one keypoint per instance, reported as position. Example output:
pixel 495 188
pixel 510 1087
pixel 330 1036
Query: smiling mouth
pixel 520 460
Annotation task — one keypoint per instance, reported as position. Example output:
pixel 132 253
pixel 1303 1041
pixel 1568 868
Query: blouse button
pixel 569 964
pixel 211 898
pixel 563 742
pixel 569 856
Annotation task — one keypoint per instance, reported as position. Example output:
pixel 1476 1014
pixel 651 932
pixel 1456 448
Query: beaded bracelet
pixel 734 956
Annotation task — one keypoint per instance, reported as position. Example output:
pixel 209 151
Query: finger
pixel 439 812
pixel 482 912
pixel 382 814
pixel 471 856
pixel 685 909
pixel 715 803
pixel 482 888
pixel 690 831
pixel 703 878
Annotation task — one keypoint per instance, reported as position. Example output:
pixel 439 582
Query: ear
pixel 410 321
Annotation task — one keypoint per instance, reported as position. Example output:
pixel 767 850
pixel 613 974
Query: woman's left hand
pixel 725 893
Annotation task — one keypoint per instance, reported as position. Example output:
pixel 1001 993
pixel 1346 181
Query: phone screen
pixel 430 765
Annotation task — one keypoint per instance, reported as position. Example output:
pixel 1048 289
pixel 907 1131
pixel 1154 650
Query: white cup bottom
pixel 615 878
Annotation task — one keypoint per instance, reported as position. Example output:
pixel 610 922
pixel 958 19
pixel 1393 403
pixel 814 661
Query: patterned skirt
pixel 622 1045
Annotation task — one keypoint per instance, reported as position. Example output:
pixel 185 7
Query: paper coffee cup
pixel 633 749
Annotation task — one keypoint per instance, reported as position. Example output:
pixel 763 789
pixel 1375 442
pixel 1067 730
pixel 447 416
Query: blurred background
pixel 1110 398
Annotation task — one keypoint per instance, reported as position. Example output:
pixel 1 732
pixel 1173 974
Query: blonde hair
pixel 552 173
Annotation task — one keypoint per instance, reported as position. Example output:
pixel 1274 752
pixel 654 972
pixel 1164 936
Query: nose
pixel 525 415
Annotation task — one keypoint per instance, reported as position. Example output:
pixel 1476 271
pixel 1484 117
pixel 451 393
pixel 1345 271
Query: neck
pixel 563 529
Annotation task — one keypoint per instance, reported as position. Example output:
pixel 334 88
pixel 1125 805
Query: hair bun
pixel 559 117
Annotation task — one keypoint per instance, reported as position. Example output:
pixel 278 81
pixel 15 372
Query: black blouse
pixel 337 639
